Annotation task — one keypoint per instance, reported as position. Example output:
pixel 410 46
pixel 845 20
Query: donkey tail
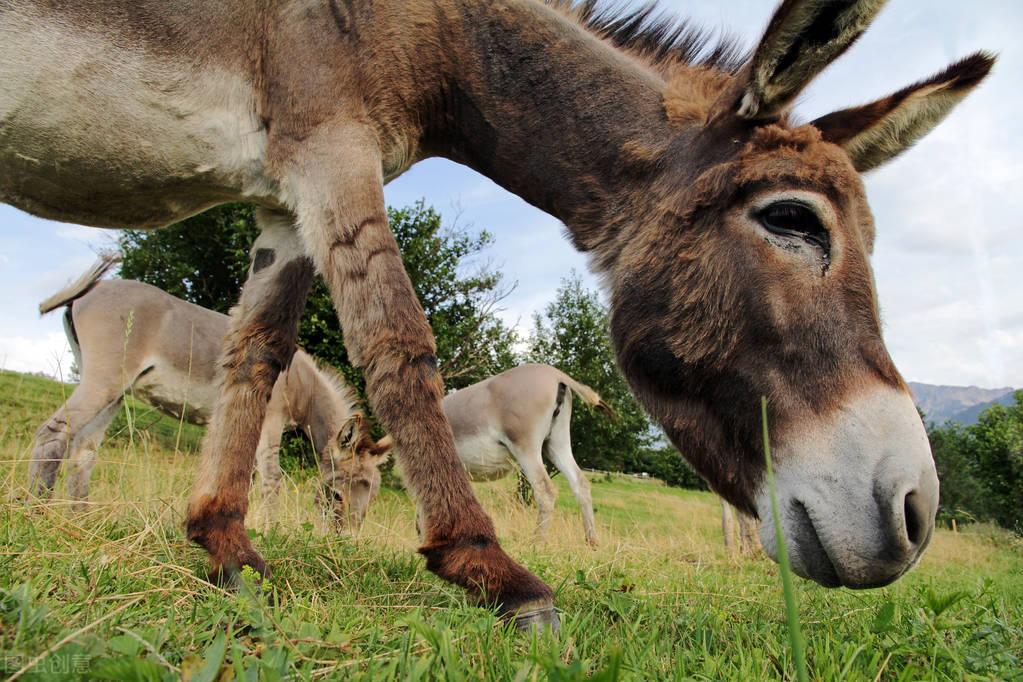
pixel 588 395
pixel 81 286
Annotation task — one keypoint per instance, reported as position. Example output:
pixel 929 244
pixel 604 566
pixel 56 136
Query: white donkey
pixel 129 335
pixel 517 417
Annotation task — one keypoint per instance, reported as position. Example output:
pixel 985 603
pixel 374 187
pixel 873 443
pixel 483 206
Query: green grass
pixel 114 592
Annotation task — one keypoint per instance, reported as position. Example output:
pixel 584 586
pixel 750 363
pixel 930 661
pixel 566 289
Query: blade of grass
pixel 791 613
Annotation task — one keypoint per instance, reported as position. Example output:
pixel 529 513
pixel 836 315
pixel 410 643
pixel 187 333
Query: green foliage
pixel 995 444
pixel 205 259
pixel 981 466
pixel 665 462
pixel 962 493
pixel 572 335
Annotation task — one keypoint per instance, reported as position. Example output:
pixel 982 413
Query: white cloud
pixel 85 235
pixel 49 354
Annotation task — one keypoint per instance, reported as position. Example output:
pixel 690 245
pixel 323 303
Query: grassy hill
pixel 114 591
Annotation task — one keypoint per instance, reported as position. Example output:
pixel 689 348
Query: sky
pixel 949 254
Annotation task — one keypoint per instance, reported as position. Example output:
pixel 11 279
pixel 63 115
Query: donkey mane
pixel 339 384
pixel 659 38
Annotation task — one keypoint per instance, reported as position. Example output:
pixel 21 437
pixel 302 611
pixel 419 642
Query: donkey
pixel 127 335
pixel 734 241
pixel 517 417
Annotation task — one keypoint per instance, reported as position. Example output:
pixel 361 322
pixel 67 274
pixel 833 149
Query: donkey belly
pixel 112 135
pixel 174 392
pixel 484 458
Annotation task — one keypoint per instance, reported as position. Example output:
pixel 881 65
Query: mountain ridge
pixel 963 404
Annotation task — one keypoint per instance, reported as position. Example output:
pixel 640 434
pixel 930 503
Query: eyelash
pixel 794 219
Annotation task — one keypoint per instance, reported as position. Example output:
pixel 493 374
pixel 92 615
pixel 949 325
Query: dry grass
pixel 113 591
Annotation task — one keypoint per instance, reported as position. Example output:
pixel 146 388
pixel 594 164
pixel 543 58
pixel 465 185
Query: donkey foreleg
pixel 749 535
pixel 388 337
pixel 268 451
pixel 268 461
pixel 258 346
pixel 728 526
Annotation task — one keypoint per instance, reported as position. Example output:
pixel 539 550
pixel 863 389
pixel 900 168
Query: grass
pixel 114 592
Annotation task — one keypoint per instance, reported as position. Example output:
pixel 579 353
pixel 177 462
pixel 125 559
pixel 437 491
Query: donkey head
pixel 748 274
pixel 351 472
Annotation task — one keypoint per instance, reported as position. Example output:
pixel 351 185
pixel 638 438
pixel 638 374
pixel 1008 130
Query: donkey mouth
pixel 813 559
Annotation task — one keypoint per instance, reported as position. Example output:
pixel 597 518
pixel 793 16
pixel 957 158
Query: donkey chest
pixel 111 135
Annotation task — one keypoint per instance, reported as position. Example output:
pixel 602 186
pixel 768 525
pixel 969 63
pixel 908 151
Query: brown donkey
pixel 735 242
pixel 127 335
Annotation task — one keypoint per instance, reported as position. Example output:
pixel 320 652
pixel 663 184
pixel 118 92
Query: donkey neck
pixel 545 109
pixel 312 402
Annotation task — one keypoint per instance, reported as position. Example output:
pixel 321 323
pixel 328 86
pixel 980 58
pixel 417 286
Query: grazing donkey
pixel 517 417
pixel 734 241
pixel 127 335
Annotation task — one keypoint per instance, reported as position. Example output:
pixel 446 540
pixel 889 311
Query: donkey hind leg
pixel 388 337
pixel 55 437
pixel 84 449
pixel 258 346
pixel 559 449
pixel 544 492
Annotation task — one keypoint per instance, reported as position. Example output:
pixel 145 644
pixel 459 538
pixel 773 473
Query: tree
pixel 962 493
pixel 980 466
pixel 995 445
pixel 205 260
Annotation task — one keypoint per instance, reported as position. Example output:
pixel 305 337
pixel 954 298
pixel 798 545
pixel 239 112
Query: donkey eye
pixel 792 219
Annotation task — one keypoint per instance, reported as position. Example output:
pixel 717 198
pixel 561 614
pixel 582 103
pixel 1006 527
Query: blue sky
pixel 949 213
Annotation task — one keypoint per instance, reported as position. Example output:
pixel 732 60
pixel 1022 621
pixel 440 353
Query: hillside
pixel 958 403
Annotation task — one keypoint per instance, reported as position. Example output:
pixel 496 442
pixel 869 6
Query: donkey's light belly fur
pixel 174 391
pixel 111 136
pixel 484 457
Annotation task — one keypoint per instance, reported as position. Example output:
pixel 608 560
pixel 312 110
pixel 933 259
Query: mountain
pixel 958 403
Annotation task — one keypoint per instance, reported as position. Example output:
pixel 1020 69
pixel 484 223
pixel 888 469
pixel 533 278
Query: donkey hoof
pixel 539 618
pixel 230 576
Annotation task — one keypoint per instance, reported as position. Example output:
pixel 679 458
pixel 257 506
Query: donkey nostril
pixel 915 513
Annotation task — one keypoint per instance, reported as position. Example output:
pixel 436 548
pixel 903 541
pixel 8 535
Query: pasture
pixel 115 591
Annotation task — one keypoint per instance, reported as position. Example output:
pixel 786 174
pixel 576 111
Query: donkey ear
pixel 350 431
pixel 801 39
pixel 877 132
pixel 382 447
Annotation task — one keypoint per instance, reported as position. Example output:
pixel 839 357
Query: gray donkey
pixel 518 417
pixel 129 335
